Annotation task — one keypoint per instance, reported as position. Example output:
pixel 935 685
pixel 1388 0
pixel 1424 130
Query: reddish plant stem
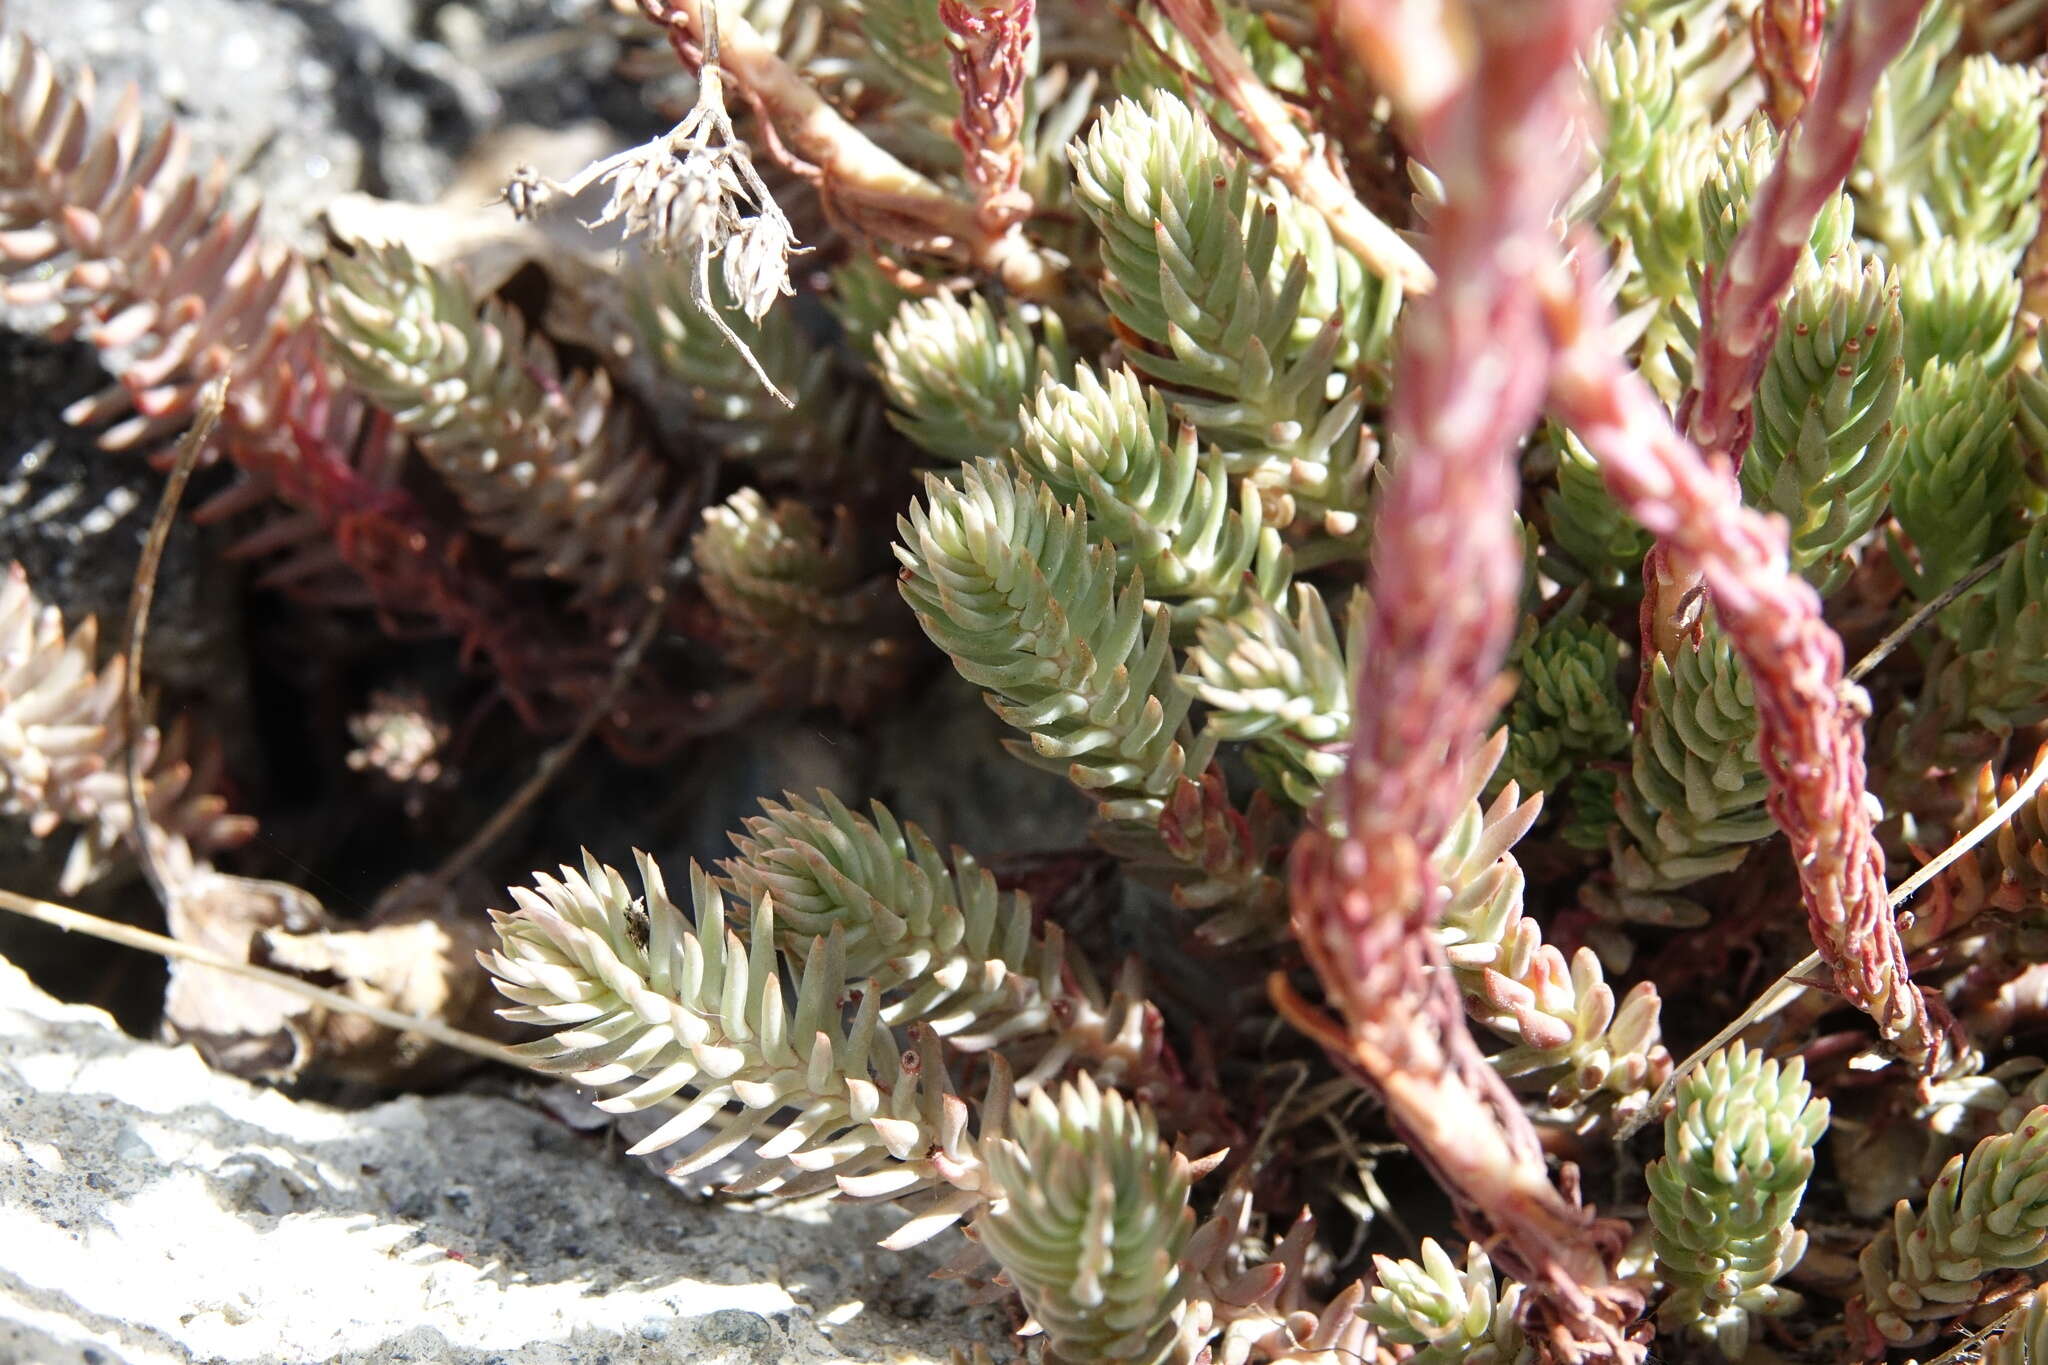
pixel 1739 299
pixel 990 67
pixel 1786 36
pixel 1811 735
pixel 1491 115
pixel 1810 721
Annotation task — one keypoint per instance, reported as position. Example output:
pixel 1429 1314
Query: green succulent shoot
pixel 1448 1313
pixel 1960 474
pixel 1210 302
pixel 1280 683
pixel 1738 1150
pixel 1092 1222
pixel 1568 708
pixel 1825 447
pixel 1171 511
pixel 1602 545
pixel 1986 1212
pixel 959 375
pixel 1032 608
pixel 1692 802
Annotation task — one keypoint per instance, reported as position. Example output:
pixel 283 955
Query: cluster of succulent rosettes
pixel 1986 1213
pixel 1692 802
pixel 1568 709
pixel 796 607
pixel 1150 486
pixel 1595 1058
pixel 1210 280
pixel 549 463
pixel 1072 1189
pixel 1738 1151
pixel 1449 1314
pixel 1035 607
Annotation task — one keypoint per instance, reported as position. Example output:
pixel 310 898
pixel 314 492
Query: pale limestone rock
pixel 152 1210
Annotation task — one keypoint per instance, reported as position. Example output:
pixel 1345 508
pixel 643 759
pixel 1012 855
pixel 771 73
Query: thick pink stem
pixel 1446 564
pixel 1739 304
pixel 1810 721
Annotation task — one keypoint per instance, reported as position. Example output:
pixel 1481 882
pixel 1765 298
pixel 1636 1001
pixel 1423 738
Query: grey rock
pixel 309 99
pixel 247 82
pixel 75 517
pixel 153 1210
pixel 940 761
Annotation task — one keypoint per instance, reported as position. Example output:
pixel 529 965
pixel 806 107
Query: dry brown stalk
pixel 1303 161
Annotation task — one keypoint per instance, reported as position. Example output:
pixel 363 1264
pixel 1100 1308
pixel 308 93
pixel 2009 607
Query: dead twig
pixel 1926 612
pixel 1798 978
pixel 212 403
pixel 557 758
pixel 127 935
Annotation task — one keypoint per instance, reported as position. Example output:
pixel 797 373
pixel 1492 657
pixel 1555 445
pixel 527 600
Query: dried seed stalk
pixel 872 190
pixel 991 68
pixel 693 192
pixel 1445 571
pixel 1810 719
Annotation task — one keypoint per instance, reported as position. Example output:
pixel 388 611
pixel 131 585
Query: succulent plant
pixel 1303 436
pixel 1982 1215
pixel 1446 1312
pixel 1738 1152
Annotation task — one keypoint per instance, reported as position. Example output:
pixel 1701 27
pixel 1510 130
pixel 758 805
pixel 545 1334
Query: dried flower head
pixel 692 193
pixel 757 263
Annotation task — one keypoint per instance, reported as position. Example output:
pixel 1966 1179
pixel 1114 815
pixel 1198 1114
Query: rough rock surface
pixel 152 1210
pixel 308 99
